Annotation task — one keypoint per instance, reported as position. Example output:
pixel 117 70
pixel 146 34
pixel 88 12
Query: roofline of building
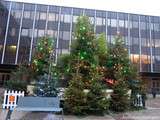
pixel 70 6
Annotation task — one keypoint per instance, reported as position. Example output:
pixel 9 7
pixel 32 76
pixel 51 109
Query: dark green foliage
pixel 84 44
pixel 41 59
pixel 119 98
pixel 19 85
pixel 47 74
pixel 75 98
pixel 121 69
pixel 102 50
pixel 46 86
pixel 97 102
pixel 82 67
pixel 20 78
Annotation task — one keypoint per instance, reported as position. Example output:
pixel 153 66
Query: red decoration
pixel 109 81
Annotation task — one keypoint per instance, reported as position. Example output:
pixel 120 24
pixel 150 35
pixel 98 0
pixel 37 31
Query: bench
pixel 47 104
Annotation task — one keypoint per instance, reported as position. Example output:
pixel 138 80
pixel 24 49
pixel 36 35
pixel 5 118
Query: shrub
pixel 119 99
pixel 19 85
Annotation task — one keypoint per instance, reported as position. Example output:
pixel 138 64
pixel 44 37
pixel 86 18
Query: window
pixel 40 33
pixel 17 14
pixel 109 22
pixel 99 21
pixel 66 35
pixel 24 32
pixel 143 26
pixel 155 26
pixel 121 23
pixel 13 32
pixel 75 18
pixel 52 17
pixel 35 33
pixel 65 51
pixel 134 24
pixel 113 22
pixel 67 18
pixel 91 20
pixel 30 32
pixel 50 32
pixel 26 14
pixel 43 16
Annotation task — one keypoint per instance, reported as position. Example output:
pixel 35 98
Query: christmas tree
pixel 41 59
pixel 45 69
pixel 122 72
pixel 83 68
pixel 120 99
pixel 96 99
pixel 75 98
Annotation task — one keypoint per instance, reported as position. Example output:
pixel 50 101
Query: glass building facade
pixel 22 24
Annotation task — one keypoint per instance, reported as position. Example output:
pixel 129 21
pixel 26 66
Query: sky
pixel 145 7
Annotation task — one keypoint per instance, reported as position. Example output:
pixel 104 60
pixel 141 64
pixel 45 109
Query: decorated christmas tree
pixel 83 67
pixel 121 70
pixel 120 99
pixel 75 98
pixel 96 100
pixel 45 69
pixel 41 60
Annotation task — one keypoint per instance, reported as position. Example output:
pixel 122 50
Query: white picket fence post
pixel 10 99
pixel 138 101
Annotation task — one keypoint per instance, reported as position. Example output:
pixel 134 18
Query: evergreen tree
pixel 45 69
pixel 101 49
pixel 84 58
pixel 41 59
pixel 122 71
pixel 118 63
pixel 96 100
pixel 75 98
pixel 119 99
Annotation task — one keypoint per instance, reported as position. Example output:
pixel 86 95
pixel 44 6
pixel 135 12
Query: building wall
pixel 22 24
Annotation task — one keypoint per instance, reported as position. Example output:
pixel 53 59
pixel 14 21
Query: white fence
pixel 11 98
pixel 138 101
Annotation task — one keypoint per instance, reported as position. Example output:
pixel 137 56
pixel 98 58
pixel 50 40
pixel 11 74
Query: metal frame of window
pixel 140 44
pixel 19 35
pixel 6 33
pixel 151 43
pixel 58 32
pixel 33 28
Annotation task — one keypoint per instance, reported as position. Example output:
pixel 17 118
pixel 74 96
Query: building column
pixel 107 27
pixel 45 32
pixel 6 33
pixel 129 36
pixel 58 31
pixel 151 43
pixel 19 35
pixel 140 44
pixel 33 30
pixel 118 23
pixel 71 25
pixel 95 21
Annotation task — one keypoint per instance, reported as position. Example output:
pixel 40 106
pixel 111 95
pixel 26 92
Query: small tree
pixel 45 69
pixel 20 78
pixel 120 70
pixel 119 98
pixel 96 99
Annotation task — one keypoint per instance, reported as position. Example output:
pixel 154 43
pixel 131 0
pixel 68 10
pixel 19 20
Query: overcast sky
pixel 147 7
